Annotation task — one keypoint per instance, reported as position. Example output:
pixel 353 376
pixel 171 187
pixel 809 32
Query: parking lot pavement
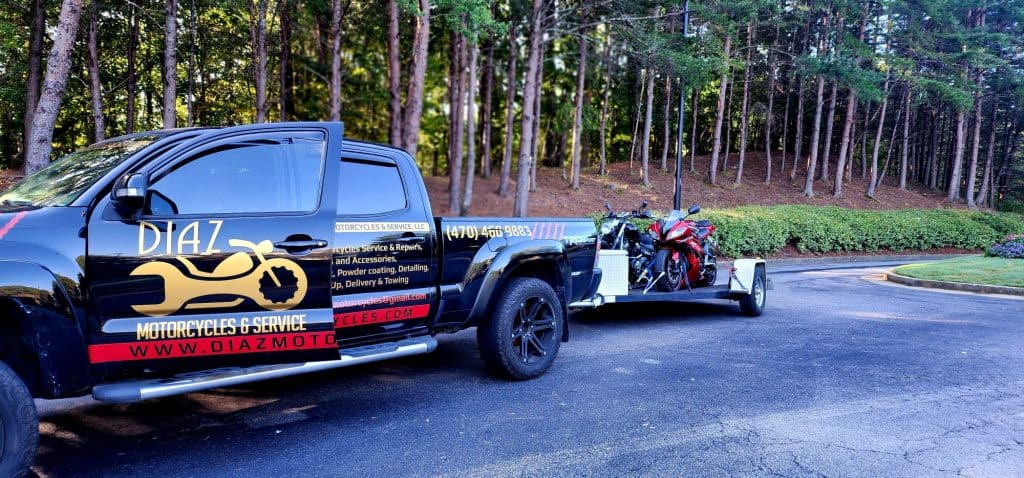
pixel 842 376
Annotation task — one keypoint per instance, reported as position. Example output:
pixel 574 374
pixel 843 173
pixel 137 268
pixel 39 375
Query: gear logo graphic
pixel 274 284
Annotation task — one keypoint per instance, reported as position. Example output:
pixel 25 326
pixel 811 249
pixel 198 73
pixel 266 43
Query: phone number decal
pixel 485 232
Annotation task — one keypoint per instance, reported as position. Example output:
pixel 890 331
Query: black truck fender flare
pixel 513 261
pixel 34 304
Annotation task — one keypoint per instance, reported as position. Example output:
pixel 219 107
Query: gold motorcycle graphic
pixel 274 284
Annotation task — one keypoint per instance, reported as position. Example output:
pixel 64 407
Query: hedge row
pixel 764 230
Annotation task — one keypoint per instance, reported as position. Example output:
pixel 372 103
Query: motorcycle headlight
pixel 675 234
pixel 606 228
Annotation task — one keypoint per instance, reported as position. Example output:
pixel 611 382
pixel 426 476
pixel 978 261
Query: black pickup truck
pixel 173 261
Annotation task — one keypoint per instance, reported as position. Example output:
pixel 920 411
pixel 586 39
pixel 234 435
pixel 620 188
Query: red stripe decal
pixel 533 232
pixel 10 224
pixel 561 232
pixel 209 346
pixel 380 316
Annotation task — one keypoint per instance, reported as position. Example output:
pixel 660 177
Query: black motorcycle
pixel 618 232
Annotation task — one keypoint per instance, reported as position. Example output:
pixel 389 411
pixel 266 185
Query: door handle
pixel 301 245
pixel 412 240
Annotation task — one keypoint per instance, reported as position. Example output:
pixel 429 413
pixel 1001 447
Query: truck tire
pixel 522 336
pixel 753 303
pixel 19 424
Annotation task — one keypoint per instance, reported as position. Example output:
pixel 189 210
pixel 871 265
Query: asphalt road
pixel 841 376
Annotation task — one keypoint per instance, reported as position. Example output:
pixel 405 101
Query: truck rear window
pixel 369 187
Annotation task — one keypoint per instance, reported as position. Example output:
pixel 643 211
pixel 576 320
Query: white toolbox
pixel 614 266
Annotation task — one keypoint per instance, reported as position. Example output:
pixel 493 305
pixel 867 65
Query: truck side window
pixel 369 187
pixel 244 177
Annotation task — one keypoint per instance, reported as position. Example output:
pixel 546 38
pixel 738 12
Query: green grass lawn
pixel 973 269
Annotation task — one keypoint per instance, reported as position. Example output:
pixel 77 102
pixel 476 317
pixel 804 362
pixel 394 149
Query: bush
pixel 1011 247
pixel 766 230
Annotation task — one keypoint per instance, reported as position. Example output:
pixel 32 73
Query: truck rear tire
pixel 753 304
pixel 19 424
pixel 521 338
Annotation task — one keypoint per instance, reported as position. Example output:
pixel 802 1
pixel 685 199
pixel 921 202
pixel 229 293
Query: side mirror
pixel 693 209
pixel 131 190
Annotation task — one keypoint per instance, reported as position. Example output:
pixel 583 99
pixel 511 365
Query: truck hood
pixel 52 237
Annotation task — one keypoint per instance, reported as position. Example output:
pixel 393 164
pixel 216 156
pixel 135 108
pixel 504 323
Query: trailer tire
pixel 753 304
pixel 19 424
pixel 522 336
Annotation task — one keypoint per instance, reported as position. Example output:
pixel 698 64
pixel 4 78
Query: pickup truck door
pixel 229 261
pixel 384 274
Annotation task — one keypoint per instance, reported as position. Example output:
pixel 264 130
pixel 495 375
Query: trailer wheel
pixel 753 304
pixel 19 424
pixel 522 337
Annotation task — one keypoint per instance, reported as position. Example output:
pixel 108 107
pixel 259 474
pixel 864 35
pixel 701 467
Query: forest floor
pixel 621 187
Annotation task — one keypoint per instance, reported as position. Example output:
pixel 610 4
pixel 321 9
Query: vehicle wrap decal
pixel 380 316
pixel 204 347
pixel 10 224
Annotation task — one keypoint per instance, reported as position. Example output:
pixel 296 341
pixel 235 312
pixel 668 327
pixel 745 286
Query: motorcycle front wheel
pixel 668 271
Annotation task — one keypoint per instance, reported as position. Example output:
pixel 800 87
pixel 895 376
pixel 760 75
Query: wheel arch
pixel 40 336
pixel 541 259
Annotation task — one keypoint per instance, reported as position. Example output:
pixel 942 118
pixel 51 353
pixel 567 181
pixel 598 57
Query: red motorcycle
pixel 685 252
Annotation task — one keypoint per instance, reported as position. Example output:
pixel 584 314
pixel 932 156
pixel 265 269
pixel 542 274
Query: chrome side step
pixel 133 391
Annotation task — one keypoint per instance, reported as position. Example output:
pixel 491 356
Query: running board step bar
pixel 133 391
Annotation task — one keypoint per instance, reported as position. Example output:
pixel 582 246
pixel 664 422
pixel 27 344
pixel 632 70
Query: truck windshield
pixel 65 179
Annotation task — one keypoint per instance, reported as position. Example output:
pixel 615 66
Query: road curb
pixel 862 258
pixel 959 286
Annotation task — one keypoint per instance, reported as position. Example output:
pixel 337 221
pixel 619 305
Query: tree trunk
pixel 798 140
pixel 521 205
pixel 577 122
pixel 510 110
pixel 785 126
pixel 716 144
pixel 535 145
pixel 989 154
pixel 456 120
pixel 878 139
pixel 645 153
pixel 95 86
pixel 602 168
pixel 845 141
pixel 906 139
pixel 131 81
pixel 744 121
pixel 467 196
pixel 35 60
pixel 57 67
pixel 972 168
pixel 728 121
pixel 693 131
pixel 667 124
pixel 815 133
pixel 486 122
pixel 830 118
pixel 394 77
pixel 335 72
pixel 413 109
pixel 769 116
pixel 170 115
pixel 956 175
pixel 258 37
pixel 287 83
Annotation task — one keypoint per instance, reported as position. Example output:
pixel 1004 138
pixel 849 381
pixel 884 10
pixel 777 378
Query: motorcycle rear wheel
pixel 668 271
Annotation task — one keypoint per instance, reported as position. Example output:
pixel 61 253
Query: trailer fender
pixel 742 278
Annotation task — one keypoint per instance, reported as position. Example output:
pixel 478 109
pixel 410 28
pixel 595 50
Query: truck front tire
pixel 522 336
pixel 19 424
